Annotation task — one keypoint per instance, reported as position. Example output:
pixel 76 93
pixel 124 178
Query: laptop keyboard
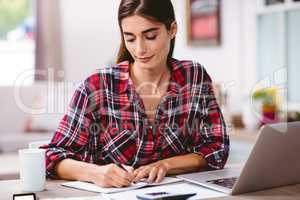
pixel 224 182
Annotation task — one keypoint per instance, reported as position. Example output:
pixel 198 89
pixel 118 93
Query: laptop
pixel 274 161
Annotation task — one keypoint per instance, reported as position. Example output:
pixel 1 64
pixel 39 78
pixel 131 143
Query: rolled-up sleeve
pixel 211 140
pixel 71 136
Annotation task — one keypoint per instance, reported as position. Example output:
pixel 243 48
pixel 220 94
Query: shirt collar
pixel 177 81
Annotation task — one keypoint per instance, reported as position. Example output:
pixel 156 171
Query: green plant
pixel 268 96
pixel 12 14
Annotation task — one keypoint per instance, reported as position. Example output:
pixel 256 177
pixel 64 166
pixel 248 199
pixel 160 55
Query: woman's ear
pixel 173 29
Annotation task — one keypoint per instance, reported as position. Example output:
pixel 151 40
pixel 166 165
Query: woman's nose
pixel 141 48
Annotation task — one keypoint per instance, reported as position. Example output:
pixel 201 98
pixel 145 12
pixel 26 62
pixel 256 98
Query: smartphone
pixel 164 196
pixel 24 196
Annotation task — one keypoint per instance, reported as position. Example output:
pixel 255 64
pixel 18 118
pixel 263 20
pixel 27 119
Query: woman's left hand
pixel 154 172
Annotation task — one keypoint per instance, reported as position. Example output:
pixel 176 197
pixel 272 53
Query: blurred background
pixel 249 47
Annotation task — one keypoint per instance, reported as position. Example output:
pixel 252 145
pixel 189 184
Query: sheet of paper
pixel 94 188
pixel 167 180
pixel 184 187
pixel 77 198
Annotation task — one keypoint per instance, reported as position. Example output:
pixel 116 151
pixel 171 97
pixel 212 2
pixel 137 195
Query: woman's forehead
pixel 138 24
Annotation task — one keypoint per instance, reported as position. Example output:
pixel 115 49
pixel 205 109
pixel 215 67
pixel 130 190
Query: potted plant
pixel 269 108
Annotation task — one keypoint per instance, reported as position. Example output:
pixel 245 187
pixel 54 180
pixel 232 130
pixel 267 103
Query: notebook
pixel 94 188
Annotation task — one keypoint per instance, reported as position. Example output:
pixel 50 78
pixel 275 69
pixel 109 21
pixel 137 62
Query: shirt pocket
pixel 118 146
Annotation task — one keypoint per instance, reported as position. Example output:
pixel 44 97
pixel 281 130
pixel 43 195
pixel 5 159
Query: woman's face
pixel 147 41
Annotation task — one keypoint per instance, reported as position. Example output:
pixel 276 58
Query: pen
pixel 121 166
pixel 118 164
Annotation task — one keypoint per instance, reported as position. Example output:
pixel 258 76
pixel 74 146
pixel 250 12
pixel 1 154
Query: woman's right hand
pixel 112 176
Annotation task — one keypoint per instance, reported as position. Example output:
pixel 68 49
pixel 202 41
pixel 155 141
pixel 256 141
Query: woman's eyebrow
pixel 145 31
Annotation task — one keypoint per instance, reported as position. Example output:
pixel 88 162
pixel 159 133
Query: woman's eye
pixel 151 37
pixel 129 40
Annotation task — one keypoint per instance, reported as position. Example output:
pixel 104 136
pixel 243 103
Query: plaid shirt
pixel 106 121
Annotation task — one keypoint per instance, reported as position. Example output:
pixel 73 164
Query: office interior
pixel 47 49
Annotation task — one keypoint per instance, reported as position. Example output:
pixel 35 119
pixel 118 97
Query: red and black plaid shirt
pixel 106 121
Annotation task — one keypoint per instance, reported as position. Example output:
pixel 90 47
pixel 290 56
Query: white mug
pixel 32 169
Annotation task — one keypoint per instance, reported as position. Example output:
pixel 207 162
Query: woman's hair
pixel 156 10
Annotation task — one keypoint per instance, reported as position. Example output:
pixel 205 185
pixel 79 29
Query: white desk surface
pixel 55 190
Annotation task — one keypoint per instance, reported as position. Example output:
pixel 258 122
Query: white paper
pixel 183 187
pixel 167 180
pixel 77 198
pixel 94 188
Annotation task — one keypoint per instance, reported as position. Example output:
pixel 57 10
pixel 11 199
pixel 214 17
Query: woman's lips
pixel 145 59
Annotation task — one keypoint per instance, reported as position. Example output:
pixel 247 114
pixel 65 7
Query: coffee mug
pixel 32 169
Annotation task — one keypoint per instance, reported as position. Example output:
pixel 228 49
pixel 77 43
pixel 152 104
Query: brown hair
pixel 157 10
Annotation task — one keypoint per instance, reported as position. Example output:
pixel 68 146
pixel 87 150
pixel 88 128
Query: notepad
pixel 94 188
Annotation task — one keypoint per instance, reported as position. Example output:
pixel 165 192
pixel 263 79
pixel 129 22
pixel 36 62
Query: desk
pixel 54 190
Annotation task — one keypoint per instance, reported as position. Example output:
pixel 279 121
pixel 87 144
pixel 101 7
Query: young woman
pixel 148 116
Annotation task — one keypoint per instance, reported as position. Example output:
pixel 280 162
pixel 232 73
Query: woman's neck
pixel 149 79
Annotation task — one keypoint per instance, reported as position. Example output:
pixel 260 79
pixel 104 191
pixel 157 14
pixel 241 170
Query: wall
pixel 233 63
pixel 90 36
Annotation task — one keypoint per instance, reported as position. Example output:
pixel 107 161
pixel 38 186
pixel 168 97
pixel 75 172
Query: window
pixel 17 43
pixel 278 45
pixel 293 59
